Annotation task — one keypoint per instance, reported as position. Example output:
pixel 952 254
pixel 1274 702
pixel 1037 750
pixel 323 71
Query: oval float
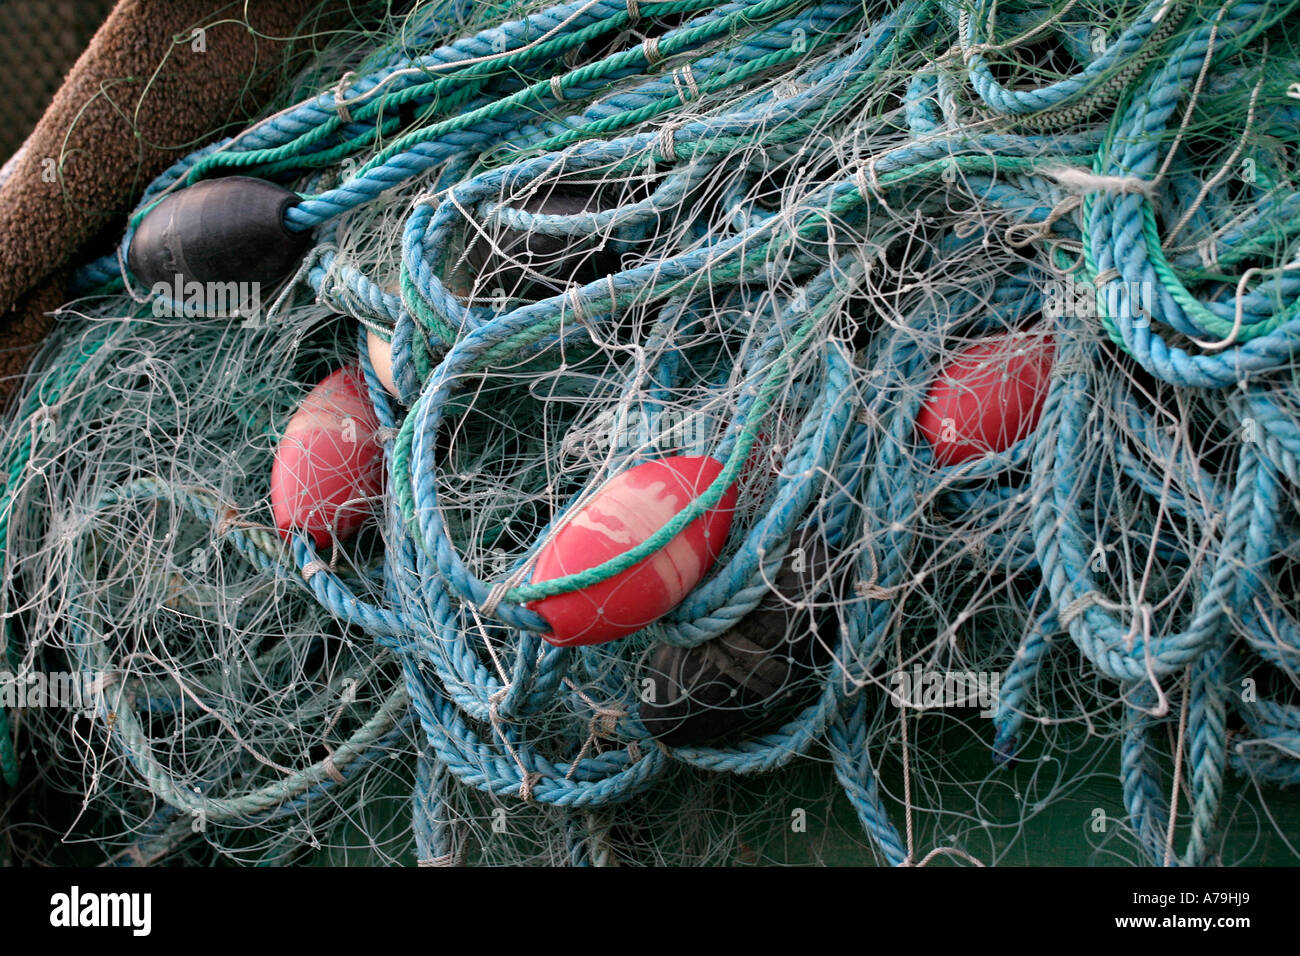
pixel 751 674
pixel 327 458
pixel 627 510
pixel 218 230
pixel 988 397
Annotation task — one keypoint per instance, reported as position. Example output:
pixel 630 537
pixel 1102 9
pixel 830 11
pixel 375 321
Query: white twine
pixel 1080 182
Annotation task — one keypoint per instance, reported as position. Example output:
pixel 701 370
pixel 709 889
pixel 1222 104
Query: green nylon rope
pixel 539 93
pixel 542 91
pixel 731 78
pixel 1160 264
pixel 1169 280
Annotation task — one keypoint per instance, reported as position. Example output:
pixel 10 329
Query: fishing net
pixel 601 233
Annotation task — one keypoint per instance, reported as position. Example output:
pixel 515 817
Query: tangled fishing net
pixel 605 232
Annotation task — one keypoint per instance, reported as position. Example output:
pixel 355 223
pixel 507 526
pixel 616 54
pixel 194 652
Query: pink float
pixel 624 512
pixel 988 397
pixel 327 459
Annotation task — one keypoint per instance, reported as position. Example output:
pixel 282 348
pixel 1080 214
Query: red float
pixel 327 458
pixel 988 397
pixel 627 510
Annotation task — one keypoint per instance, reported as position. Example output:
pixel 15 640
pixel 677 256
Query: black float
pixel 218 230
pixel 750 675
pixel 532 265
